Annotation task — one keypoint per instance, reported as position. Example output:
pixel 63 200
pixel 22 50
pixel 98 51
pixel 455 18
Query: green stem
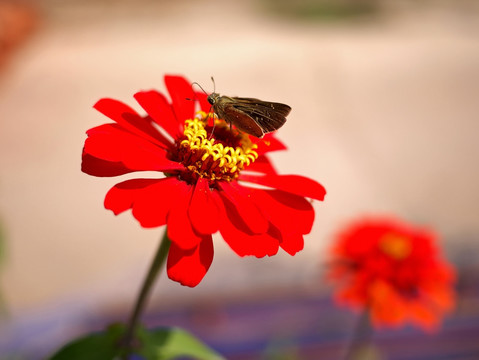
pixel 361 335
pixel 142 299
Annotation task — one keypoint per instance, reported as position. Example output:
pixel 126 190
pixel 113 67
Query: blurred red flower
pixel 204 189
pixel 393 270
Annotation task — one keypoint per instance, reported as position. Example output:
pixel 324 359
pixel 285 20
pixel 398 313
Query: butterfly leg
pixel 214 124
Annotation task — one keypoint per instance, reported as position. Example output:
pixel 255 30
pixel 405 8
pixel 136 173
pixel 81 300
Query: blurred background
pixel 385 98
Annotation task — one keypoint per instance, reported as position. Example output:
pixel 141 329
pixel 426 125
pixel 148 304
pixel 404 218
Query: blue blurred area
pixel 292 323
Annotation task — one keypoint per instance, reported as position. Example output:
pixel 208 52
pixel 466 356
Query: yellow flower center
pixel 218 156
pixel 395 246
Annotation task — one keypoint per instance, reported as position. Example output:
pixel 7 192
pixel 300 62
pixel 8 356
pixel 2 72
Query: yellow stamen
pixel 395 246
pixel 207 157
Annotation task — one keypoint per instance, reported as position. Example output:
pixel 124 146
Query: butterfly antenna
pixel 212 112
pixel 214 85
pixel 195 83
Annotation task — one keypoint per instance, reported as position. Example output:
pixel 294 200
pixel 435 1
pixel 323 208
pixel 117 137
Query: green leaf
pixel 170 343
pixel 159 344
pixel 98 346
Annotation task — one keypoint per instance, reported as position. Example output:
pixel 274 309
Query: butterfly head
pixel 212 98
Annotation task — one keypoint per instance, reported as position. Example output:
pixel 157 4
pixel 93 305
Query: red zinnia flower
pixel 393 270
pixel 204 189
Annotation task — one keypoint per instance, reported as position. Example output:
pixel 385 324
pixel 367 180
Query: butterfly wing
pixel 242 121
pixel 269 116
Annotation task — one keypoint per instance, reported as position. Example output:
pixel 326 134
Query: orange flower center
pixel 395 246
pixel 218 156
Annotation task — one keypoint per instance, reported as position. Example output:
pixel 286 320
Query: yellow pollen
pixel 395 246
pixel 205 157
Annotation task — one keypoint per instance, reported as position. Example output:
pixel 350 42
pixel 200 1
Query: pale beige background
pixel 385 115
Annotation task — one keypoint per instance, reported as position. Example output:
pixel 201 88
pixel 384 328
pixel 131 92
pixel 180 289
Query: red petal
pixel 180 230
pixel 122 196
pixel 148 198
pixel 111 143
pixel 262 165
pixel 181 94
pixel 152 205
pixel 290 213
pixel 234 196
pixel 188 267
pixel 294 184
pixel 239 237
pixel 203 212
pixel 97 167
pixel 293 215
pixel 267 144
pixel 292 243
pixel 156 105
pixel 128 119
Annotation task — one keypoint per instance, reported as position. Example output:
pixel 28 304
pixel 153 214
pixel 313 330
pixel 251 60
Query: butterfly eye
pixel 211 99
